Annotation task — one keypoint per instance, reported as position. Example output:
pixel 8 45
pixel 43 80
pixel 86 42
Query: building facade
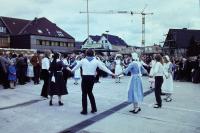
pixel 106 42
pixel 182 42
pixel 40 34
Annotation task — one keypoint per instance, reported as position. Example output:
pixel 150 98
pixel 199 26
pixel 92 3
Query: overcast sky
pixel 65 13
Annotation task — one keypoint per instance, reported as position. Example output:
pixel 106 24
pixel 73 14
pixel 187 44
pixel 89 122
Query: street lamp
pixel 88 31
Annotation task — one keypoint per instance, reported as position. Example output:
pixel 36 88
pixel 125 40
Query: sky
pixel 66 14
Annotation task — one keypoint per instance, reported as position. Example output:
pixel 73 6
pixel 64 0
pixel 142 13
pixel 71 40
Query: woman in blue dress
pixel 135 90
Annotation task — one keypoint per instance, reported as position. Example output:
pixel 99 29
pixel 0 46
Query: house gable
pixel 181 38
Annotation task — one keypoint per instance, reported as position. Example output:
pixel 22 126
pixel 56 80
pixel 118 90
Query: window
pixel 65 44
pixel 37 42
pixel 3 29
pixel 4 42
pixel 70 44
pixel 47 43
pixel 43 42
pixel 106 41
pixel 56 44
pixel 61 44
pixel 52 43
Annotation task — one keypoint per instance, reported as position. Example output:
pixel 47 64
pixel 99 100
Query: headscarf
pixel 135 56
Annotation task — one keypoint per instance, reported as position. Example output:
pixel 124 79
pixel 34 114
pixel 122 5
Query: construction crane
pixel 127 12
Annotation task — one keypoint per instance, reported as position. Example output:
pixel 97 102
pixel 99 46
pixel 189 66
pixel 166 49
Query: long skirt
pixel 167 86
pixel 135 90
pixel 58 86
pixel 118 69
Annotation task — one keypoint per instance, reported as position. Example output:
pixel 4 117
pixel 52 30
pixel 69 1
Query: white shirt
pixel 45 63
pixel 65 62
pixel 158 69
pixel 89 67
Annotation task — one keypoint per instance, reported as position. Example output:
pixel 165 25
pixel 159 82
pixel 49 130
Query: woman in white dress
pixel 77 73
pixel 118 67
pixel 167 86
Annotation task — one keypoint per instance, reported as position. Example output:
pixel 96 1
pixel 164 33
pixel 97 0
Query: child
pixel 12 75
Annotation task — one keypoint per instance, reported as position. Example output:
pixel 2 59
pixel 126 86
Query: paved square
pixel 23 110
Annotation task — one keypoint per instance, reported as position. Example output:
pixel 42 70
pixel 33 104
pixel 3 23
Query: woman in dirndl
pixel 135 88
pixel 57 84
pixel 167 86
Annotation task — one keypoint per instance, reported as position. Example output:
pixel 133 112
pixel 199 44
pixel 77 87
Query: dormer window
pixel 39 31
pixel 2 29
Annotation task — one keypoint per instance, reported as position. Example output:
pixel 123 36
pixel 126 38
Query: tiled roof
pixel 14 25
pixel 182 37
pixel 38 26
pixel 95 38
pixel 115 40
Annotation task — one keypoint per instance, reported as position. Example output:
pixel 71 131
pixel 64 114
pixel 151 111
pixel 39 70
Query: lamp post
pixel 88 29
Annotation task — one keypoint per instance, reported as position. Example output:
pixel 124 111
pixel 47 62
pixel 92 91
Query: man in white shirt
pixel 89 65
pixel 45 75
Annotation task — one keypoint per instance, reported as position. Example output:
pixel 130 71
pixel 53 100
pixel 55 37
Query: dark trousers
pixel 5 81
pixel 45 87
pixel 21 75
pixel 36 71
pixel 158 84
pixel 87 87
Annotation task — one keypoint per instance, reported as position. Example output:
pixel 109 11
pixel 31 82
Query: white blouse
pixel 45 63
pixel 158 69
pixel 89 67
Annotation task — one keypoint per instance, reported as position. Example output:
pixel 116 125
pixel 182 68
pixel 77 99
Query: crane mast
pixel 127 12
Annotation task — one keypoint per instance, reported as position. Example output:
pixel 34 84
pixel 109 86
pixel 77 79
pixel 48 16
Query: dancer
pixel 167 86
pixel 158 74
pixel 45 75
pixel 135 91
pixel 89 65
pixel 57 83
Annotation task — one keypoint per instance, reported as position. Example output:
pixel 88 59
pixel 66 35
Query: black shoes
pixel 162 94
pixel 83 112
pixel 135 111
pixel 93 111
pixel 60 103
